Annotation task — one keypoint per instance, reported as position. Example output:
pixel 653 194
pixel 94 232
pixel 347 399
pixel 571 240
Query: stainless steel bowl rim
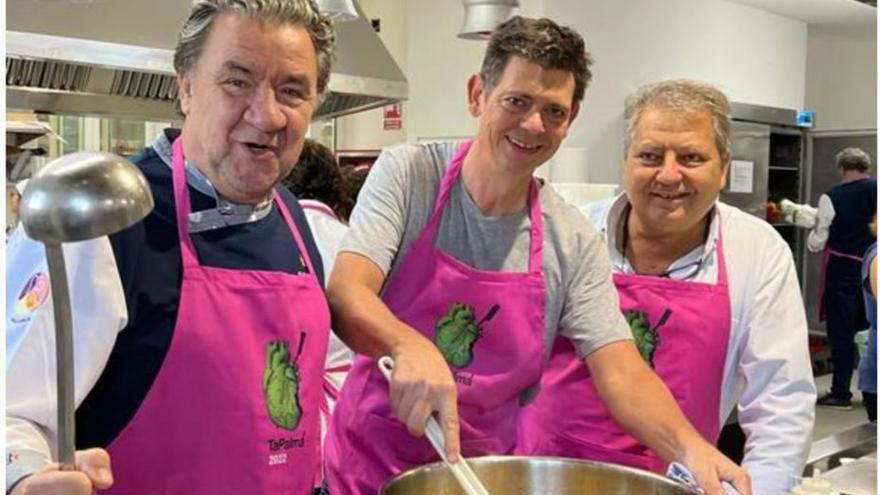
pixel 492 459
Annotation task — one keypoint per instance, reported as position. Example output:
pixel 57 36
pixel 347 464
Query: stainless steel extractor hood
pixel 114 58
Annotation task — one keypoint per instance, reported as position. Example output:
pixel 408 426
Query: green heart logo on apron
pixel 646 338
pixel 281 384
pixel 457 333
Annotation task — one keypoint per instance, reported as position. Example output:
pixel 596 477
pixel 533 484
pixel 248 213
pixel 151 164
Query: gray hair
pixel 853 159
pixel 541 41
pixel 297 12
pixel 686 97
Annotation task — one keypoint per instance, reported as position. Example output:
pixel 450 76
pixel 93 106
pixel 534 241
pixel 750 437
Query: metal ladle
pixel 77 197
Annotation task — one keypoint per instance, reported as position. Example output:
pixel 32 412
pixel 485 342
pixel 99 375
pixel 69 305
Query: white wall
pixel 841 84
pixel 755 56
pixel 439 64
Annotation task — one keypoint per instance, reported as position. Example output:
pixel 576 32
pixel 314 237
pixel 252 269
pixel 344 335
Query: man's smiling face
pixel 673 171
pixel 248 103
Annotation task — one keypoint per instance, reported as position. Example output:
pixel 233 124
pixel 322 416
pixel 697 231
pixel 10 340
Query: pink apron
pixel 682 328
pixel 488 325
pixel 235 407
pixel 338 371
pixel 331 392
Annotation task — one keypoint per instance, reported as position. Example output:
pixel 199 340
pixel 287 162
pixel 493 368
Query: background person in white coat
pixel 325 196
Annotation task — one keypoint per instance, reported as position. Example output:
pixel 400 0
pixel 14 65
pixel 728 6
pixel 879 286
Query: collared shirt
pixel 698 265
pixel 226 213
pixel 767 373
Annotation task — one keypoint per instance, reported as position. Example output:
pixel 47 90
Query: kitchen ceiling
pixel 819 12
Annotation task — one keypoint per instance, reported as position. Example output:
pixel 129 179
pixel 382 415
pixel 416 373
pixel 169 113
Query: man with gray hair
pixel 710 294
pixel 463 268
pixel 842 234
pixel 200 332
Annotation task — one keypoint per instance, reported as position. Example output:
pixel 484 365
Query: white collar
pixel 609 226
pixel 226 213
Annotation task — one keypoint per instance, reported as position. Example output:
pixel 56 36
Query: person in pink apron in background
pixel 842 235
pixel 320 187
pixel 463 268
pixel 207 375
pixel 326 196
pixel 710 294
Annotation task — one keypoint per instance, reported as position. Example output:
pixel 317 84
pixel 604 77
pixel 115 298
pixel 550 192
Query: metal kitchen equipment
pixel 77 197
pixel 536 475
pixel 58 60
pixel 481 17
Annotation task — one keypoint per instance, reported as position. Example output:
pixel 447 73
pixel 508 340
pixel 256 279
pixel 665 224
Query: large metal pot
pixel 507 475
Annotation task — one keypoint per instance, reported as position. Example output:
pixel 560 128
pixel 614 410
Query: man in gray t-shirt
pixel 398 196
pixel 463 269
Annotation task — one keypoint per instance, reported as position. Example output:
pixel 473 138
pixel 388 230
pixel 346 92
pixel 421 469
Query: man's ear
pixel 474 93
pixel 184 92
pixel 575 110
pixel 725 165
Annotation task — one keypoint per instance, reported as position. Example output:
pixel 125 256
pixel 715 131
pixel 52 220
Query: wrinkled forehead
pixel 669 121
pixel 238 33
pixel 671 114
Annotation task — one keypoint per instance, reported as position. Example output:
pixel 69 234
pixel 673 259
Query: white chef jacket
pixel 824 217
pixel 99 302
pixel 767 373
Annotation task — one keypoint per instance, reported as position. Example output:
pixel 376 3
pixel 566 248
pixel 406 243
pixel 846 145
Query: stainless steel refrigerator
pixel 769 163
pixel 775 159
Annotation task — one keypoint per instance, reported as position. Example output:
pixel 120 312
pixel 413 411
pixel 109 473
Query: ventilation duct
pixel 60 60
pixel 481 17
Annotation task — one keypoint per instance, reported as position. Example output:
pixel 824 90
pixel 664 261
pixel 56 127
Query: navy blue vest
pixel 854 205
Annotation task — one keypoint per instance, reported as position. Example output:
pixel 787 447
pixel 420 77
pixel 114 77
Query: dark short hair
pixel 853 159
pixel 352 182
pixel 296 12
pixel 316 175
pixel 541 41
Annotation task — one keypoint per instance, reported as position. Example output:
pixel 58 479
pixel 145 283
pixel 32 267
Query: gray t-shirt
pixel 396 201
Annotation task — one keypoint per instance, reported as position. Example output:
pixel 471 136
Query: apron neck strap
pixel 719 253
pixel 182 206
pixel 536 233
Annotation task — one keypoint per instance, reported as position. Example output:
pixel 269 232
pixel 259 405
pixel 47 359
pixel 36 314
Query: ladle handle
pixel 462 471
pixel 63 355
